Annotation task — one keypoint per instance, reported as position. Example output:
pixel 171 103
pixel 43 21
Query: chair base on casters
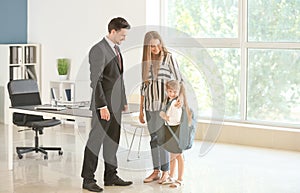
pixel 36 148
pixel 22 150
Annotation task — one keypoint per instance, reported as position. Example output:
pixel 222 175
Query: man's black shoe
pixel 118 182
pixel 93 187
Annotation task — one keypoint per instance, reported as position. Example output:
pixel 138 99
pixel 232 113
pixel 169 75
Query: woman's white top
pixel 174 114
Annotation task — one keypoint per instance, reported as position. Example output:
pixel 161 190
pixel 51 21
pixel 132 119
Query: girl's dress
pixel 170 143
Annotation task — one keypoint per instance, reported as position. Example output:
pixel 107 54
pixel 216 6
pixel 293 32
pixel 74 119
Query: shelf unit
pixel 17 61
pixel 70 90
pixel 62 90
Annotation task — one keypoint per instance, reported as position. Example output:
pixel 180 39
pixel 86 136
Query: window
pixel 274 85
pixel 255 46
pixel 206 77
pixel 204 19
pixel 274 20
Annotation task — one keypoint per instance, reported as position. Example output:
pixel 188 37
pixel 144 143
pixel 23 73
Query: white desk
pixel 82 114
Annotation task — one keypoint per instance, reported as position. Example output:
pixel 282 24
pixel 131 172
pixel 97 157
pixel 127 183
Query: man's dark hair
pixel 117 24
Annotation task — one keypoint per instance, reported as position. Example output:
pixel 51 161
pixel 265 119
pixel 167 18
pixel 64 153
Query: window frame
pixel 241 42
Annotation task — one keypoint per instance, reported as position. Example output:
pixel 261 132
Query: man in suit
pixel 108 101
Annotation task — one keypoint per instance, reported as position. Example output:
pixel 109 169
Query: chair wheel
pixel 20 156
pixel 60 152
pixel 45 157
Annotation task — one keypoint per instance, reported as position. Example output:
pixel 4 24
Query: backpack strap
pixel 168 126
pixel 169 104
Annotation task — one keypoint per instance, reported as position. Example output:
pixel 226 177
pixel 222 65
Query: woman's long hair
pixel 179 86
pixel 147 57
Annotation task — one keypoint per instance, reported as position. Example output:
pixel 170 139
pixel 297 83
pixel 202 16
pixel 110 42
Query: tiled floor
pixel 224 169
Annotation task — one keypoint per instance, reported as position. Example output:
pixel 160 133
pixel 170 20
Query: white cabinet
pixel 17 61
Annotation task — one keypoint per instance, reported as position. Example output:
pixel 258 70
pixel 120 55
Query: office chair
pixel 26 93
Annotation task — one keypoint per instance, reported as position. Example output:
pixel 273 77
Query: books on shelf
pixel 15 73
pixel 26 54
pixel 20 55
pixel 54 94
pixel 14 55
pixel 31 74
pixel 22 61
pixel 29 54
pixel 68 94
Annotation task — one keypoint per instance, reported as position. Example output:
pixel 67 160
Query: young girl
pixel 176 99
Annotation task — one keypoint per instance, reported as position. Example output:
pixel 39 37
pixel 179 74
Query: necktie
pixel 118 55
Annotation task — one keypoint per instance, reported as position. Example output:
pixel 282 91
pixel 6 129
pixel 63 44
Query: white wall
pixel 68 28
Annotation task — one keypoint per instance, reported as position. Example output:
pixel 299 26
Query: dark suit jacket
pixel 106 79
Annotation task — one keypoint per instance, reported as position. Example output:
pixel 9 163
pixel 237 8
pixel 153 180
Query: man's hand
pixel 125 108
pixel 104 114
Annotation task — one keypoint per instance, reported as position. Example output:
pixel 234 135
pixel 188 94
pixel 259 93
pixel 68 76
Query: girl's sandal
pixel 168 181
pixel 176 184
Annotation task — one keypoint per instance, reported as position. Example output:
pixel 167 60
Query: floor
pixel 224 169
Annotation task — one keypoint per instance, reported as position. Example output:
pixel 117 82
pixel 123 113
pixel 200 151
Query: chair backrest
pixel 24 92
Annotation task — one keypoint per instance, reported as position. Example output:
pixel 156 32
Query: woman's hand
pixel 125 109
pixel 141 117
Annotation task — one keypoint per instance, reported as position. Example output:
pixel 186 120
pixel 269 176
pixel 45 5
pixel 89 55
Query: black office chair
pixel 26 93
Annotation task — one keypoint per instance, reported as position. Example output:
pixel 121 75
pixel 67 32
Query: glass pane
pixel 274 85
pixel 203 75
pixel 274 20
pixel 204 19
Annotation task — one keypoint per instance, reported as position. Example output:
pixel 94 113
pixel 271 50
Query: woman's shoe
pixel 153 177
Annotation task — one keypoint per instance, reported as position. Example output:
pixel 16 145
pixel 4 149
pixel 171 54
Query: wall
pixel 13 21
pixel 249 134
pixel 69 28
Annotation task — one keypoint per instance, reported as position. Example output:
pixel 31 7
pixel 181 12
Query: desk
pixel 76 114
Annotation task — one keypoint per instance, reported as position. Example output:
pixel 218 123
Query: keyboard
pixel 49 107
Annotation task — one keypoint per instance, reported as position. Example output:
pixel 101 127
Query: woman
pixel 158 66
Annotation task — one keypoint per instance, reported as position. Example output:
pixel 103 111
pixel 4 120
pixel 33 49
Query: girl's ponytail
pixel 182 95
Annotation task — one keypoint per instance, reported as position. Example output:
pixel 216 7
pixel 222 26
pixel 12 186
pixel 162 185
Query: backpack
pixel 186 131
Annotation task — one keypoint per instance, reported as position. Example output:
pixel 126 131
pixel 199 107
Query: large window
pixel 274 20
pixel 204 19
pixel 255 45
pixel 274 85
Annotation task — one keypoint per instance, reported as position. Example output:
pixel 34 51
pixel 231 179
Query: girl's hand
pixel 164 116
pixel 178 103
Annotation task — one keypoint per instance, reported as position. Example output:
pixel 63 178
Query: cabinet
pixel 17 61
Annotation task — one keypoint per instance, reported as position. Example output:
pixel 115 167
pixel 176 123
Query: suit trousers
pixel 108 134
